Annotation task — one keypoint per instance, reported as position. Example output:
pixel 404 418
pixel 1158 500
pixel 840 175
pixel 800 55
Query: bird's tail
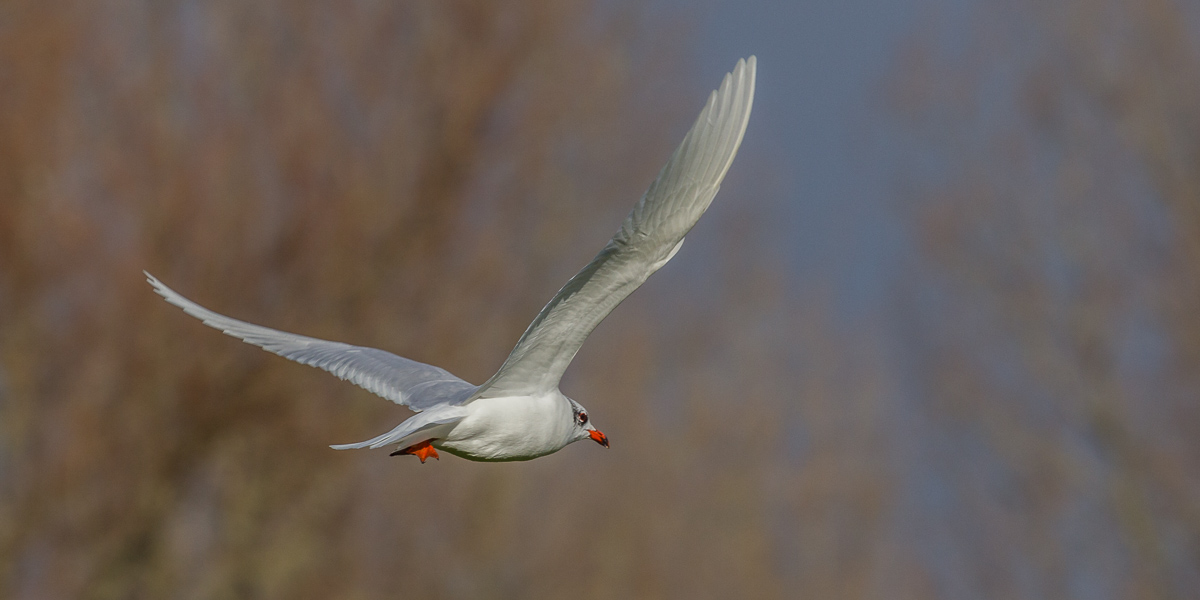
pixel 432 423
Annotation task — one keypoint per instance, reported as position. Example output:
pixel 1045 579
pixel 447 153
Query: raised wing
pixel 407 382
pixel 648 238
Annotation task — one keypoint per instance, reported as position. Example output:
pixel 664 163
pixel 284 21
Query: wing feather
pixel 406 382
pixel 649 236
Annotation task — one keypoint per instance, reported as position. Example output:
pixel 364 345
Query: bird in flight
pixel 520 414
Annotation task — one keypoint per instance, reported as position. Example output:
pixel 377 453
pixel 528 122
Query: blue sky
pixel 822 66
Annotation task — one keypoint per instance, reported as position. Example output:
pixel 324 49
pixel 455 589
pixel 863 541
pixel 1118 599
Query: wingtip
pixel 749 66
pixel 154 282
pixel 744 73
pixel 159 287
pixel 741 77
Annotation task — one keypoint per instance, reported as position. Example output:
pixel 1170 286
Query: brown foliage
pixel 367 172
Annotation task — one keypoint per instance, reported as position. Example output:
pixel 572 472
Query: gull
pixel 520 414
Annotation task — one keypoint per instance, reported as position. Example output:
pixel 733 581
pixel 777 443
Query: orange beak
pixel 599 438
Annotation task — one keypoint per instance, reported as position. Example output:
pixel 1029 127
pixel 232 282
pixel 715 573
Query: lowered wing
pixel 406 382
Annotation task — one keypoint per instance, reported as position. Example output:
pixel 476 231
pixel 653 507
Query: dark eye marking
pixel 582 418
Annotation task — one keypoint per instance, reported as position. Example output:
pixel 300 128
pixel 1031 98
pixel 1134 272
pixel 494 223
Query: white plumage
pixel 520 413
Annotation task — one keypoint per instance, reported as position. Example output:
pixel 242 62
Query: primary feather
pixel 406 382
pixel 647 239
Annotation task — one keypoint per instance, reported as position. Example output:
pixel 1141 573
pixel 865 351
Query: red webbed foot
pixel 422 451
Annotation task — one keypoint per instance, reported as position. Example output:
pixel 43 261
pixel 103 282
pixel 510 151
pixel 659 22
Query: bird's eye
pixel 583 418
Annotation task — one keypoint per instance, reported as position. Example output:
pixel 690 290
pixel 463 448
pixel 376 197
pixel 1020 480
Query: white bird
pixel 520 414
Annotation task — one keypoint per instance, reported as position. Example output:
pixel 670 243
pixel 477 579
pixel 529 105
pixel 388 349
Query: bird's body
pixel 497 429
pixel 520 414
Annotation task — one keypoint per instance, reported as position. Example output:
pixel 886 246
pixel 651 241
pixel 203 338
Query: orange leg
pixel 422 451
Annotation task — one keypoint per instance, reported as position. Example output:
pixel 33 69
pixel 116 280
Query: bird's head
pixel 583 428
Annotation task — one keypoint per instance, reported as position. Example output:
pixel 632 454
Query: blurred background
pixel 938 337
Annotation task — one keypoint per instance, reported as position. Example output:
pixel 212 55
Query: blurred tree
pixel 1055 301
pixel 368 172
